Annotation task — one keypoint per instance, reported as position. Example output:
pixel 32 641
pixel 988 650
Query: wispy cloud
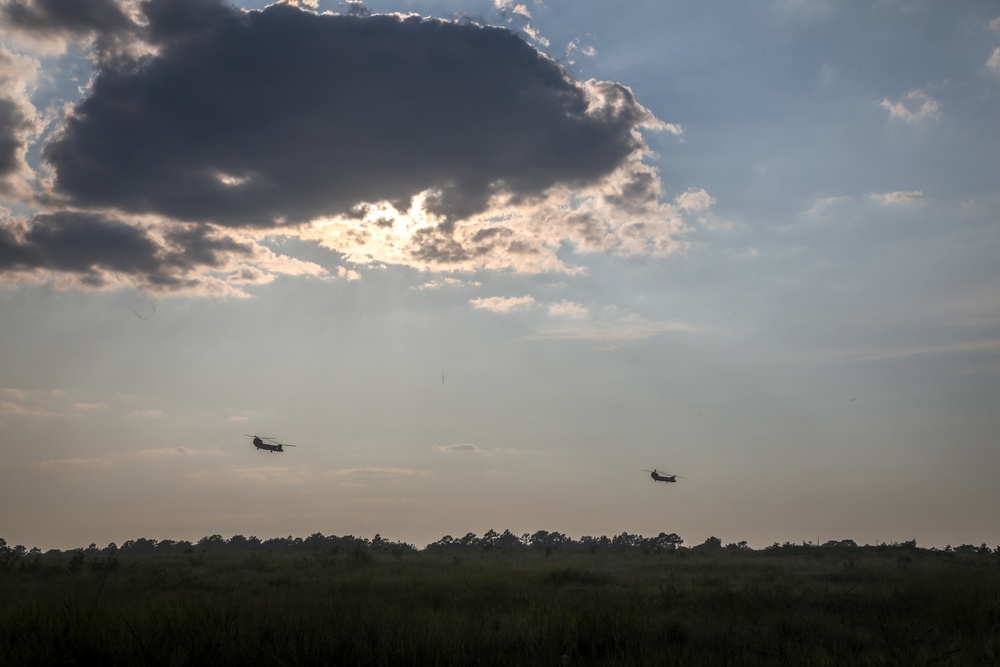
pixel 615 332
pixel 823 207
pixel 12 408
pixel 72 462
pixel 387 501
pixel 898 197
pixel 146 414
pixel 446 449
pixel 446 281
pixel 694 199
pixel 994 60
pixel 366 471
pixel 989 345
pixel 22 394
pixel 347 274
pixel 43 403
pixel 501 304
pixel 268 475
pixel 88 407
pixel 504 6
pixel 569 309
pixel 575 47
pixel 915 106
pixel 171 452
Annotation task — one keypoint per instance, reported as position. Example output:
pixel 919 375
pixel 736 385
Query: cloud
pixel 52 24
pixel 169 452
pixel 19 122
pixel 614 332
pixel 535 35
pixel 915 106
pixel 460 110
pixel 987 345
pixel 366 471
pixel 504 6
pixel 389 139
pixel 81 244
pixel 146 414
pixel 267 475
pixel 93 250
pixel 694 199
pixel 40 403
pixel 387 502
pixel 994 60
pixel 898 197
pixel 568 309
pixel 11 408
pixel 73 462
pixel 500 304
pixel 347 274
pixel 446 449
pixel 574 47
pixel 88 407
pixel 446 281
pixel 77 17
pixel 822 207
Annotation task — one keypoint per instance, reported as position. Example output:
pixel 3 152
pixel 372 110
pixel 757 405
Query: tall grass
pixel 515 608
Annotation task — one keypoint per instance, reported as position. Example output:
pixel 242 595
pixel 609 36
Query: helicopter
pixel 657 477
pixel 272 446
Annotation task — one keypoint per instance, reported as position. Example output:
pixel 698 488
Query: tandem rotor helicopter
pixel 271 445
pixel 657 477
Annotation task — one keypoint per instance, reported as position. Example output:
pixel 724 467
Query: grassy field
pixel 362 607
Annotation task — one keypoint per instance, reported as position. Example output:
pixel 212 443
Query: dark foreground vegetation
pixel 534 600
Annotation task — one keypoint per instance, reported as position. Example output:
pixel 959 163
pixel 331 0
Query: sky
pixel 485 262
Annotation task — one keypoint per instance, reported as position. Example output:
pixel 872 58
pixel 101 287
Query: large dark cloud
pixel 78 243
pixel 92 246
pixel 72 16
pixel 421 142
pixel 282 115
pixel 60 21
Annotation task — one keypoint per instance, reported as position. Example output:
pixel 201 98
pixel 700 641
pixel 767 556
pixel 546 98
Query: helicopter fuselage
pixel 260 444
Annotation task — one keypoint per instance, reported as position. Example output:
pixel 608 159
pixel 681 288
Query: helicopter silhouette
pixel 657 477
pixel 272 446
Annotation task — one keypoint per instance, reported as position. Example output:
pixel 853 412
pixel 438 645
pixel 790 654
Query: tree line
pixel 541 540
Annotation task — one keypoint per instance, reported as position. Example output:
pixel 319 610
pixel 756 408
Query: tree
pixel 710 544
pixel 625 541
pixel 509 541
pixel 669 541
pixel 139 546
pixel 444 543
pixel 490 539
pixel 212 543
